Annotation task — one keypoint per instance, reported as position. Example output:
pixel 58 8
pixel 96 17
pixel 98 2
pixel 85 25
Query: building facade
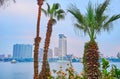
pixel 2 56
pixel 41 53
pixel 62 45
pixel 50 53
pixel 56 52
pixel 22 51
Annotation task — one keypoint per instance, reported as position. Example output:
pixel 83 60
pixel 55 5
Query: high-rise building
pixel 2 56
pixel 41 53
pixel 62 45
pixel 50 53
pixel 9 56
pixel 56 52
pixel 22 51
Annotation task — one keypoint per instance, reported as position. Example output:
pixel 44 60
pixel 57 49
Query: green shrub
pixel 69 73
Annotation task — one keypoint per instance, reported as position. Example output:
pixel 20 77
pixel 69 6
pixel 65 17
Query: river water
pixel 25 70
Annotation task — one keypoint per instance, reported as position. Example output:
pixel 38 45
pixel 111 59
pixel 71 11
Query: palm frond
pixel 113 18
pixel 54 21
pixel 55 7
pixel 100 9
pixel 59 12
pixel 60 16
pixel 79 29
pixel 44 11
pixel 77 14
pixel 52 9
pixel 90 15
pixel 100 23
pixel 48 8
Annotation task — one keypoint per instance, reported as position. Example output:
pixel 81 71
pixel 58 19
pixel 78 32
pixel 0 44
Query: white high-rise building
pixel 41 53
pixel 22 51
pixel 50 53
pixel 56 52
pixel 62 45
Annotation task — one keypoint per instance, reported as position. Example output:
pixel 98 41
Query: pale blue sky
pixel 18 25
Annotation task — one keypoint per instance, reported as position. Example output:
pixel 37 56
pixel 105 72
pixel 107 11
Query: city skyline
pixel 18 25
pixel 23 50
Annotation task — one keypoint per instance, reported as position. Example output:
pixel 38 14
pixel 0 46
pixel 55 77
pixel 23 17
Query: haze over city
pixel 18 25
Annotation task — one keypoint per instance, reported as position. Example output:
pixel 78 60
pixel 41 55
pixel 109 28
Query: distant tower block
pixel 62 45
pixel 22 51
pixel 56 52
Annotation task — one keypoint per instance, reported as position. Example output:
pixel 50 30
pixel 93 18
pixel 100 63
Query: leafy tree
pixel 93 23
pixel 54 13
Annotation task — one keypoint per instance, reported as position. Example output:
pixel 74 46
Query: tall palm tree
pixel 37 40
pixel 93 23
pixel 55 13
pixel 2 2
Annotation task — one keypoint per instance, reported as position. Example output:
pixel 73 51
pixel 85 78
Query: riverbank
pixel 52 60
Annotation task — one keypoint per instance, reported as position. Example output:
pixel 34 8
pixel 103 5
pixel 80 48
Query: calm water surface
pixel 25 70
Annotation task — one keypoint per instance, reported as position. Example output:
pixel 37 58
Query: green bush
pixel 113 73
pixel 69 73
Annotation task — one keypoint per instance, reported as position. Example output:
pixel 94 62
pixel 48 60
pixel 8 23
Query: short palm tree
pixel 92 24
pixel 2 2
pixel 37 40
pixel 55 13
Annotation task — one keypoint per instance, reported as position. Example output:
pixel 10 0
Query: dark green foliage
pixel 105 63
pixel 114 73
pixel 3 2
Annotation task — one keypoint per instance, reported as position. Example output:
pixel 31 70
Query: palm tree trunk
pixel 45 72
pixel 37 41
pixel 91 61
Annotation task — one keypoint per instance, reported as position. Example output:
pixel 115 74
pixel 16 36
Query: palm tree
pixel 92 24
pixel 2 2
pixel 37 40
pixel 54 13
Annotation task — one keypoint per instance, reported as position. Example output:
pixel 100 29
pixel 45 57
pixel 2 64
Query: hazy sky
pixel 18 26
